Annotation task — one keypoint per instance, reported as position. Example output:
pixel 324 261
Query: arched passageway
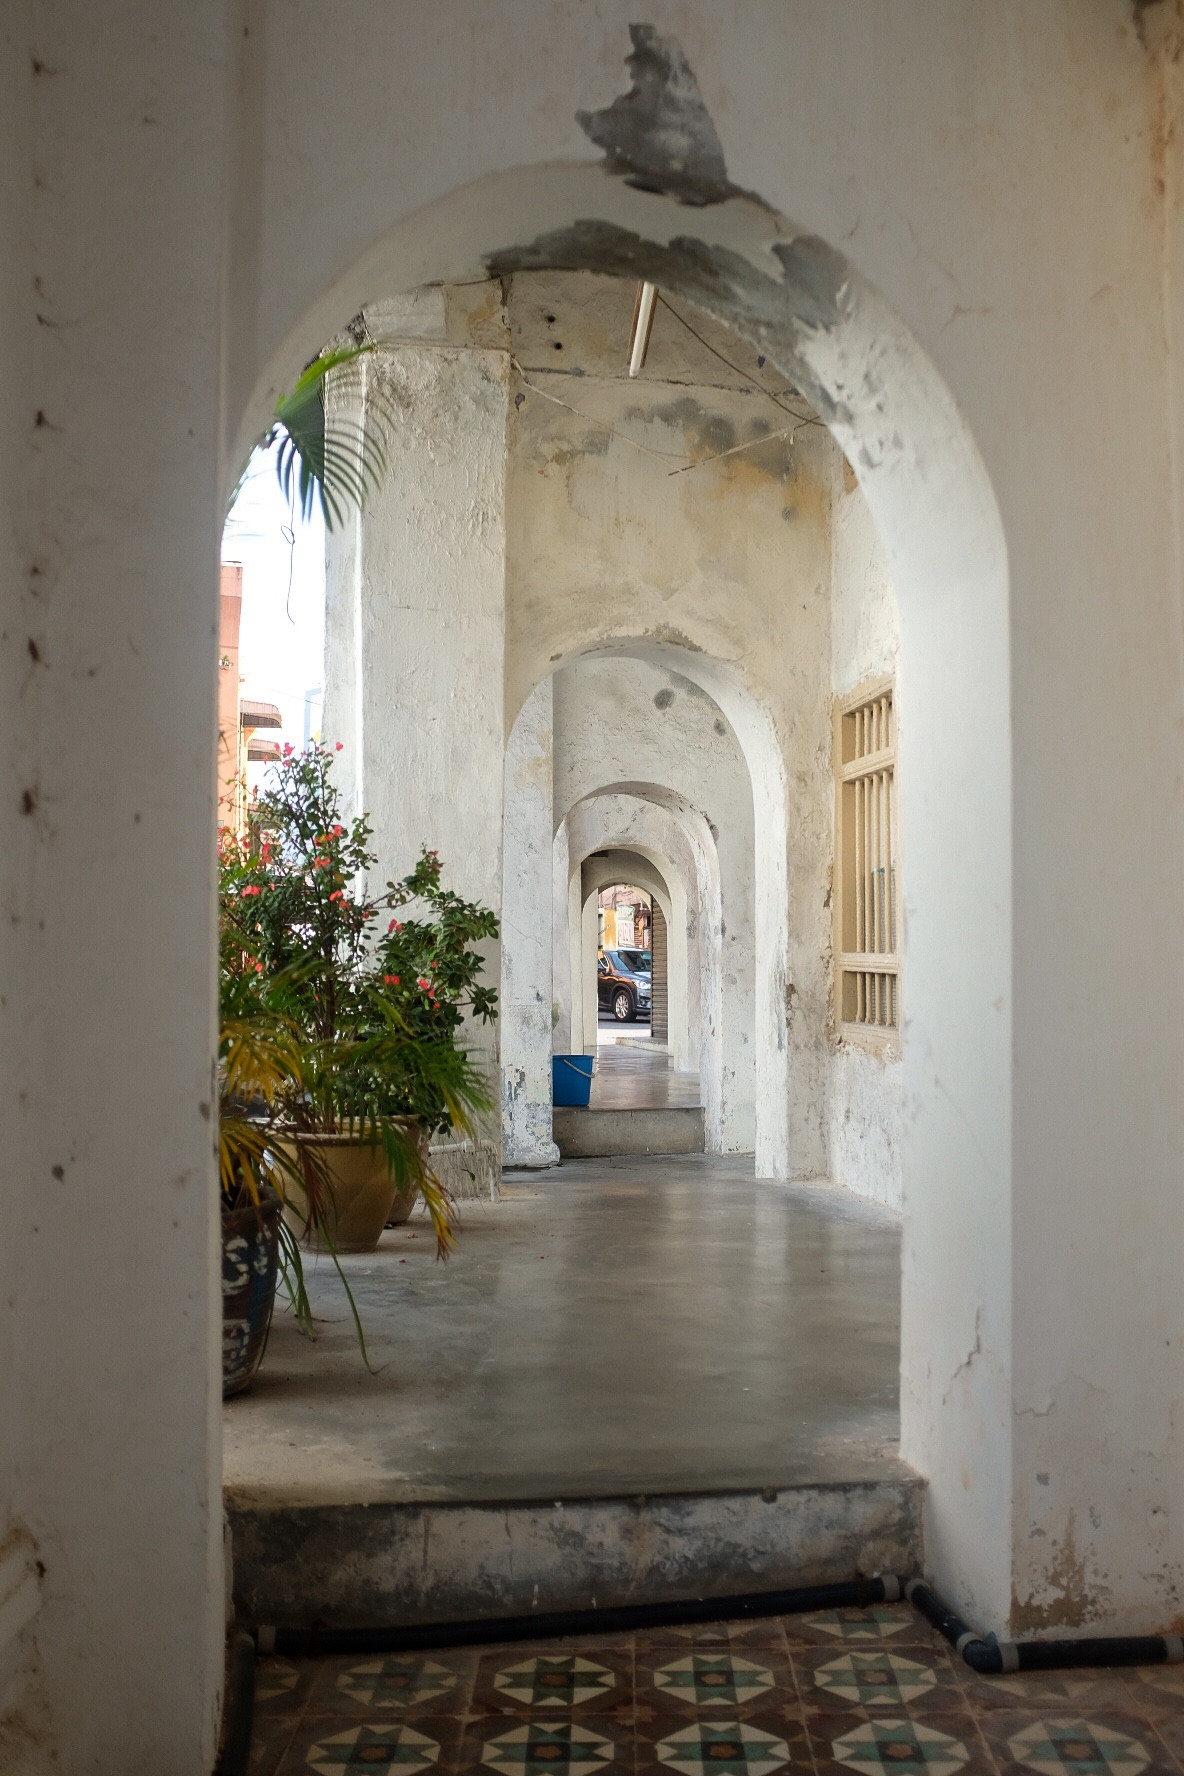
pixel 925 489
pixel 245 217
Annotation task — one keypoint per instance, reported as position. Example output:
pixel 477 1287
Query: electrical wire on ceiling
pixel 685 462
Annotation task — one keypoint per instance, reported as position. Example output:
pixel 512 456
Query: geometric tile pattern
pixel 873 1679
pixel 718 1679
pixel 400 1682
pixel 1055 1747
pixel 733 1747
pixel 550 1682
pixel 373 1748
pixel 905 1745
pixel 855 1625
pixel 569 1747
pixel 833 1693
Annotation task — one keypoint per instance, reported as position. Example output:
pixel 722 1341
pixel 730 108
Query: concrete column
pixel 588 932
pixel 527 971
pixel 414 635
pixel 112 173
pixel 566 1019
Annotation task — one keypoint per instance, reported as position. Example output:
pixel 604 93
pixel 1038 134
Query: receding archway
pixel 797 299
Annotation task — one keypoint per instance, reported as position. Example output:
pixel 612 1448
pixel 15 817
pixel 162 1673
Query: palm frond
pixel 339 460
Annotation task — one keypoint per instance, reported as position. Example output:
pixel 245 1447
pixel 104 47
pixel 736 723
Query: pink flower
pixel 251 890
pixel 337 831
pixel 258 968
pixel 340 744
pixel 289 749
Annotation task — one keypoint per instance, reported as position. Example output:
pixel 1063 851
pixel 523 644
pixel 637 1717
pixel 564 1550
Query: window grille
pixel 868 982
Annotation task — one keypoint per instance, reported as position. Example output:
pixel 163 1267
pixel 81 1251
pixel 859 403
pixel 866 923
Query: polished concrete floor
pixel 609 1327
pixel 632 1075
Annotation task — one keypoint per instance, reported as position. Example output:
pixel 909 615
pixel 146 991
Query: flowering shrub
pixel 383 1008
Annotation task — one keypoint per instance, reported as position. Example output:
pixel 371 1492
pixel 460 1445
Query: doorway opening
pixel 733 621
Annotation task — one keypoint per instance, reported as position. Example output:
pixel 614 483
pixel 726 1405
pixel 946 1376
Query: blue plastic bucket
pixel 571 1079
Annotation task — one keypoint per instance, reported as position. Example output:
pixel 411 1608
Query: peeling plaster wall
pixel 864 1097
pixel 527 985
pixel 621 719
pixel 994 325
pixel 414 625
pixel 727 563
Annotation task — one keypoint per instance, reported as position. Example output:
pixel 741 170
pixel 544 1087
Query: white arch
pixel 678 844
pixel 825 327
pixel 773 1056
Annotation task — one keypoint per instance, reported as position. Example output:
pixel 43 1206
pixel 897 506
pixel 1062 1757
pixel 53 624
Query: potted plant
pixel 257 1051
pixel 379 1064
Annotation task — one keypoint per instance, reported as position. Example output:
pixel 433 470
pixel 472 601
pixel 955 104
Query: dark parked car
pixel 623 983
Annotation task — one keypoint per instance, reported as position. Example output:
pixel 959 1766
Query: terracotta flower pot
pixel 362 1194
pixel 250 1257
pixel 407 1197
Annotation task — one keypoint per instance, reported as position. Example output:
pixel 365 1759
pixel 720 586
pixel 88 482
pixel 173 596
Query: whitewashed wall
pixel 195 199
pixel 864 1091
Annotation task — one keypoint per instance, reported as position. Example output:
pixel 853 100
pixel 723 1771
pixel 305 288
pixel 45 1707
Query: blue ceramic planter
pixel 250 1260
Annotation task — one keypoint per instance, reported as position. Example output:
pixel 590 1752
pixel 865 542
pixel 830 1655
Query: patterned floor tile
pixel 1059 1690
pixel 282 1685
pixel 406 1684
pixel 516 1681
pixel 1156 1689
pixel 948 1745
pixel 1169 1729
pixel 325 1745
pixel 674 1679
pixel 1064 1742
pixel 270 1739
pixel 757 1745
pixel 892 1625
pixel 752 1631
pixel 570 1745
pixel 907 1680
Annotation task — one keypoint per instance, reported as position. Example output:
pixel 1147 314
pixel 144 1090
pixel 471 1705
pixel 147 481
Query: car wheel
pixel 624 1009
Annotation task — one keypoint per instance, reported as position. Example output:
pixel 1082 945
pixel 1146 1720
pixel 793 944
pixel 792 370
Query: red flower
pixel 340 744
pixel 251 890
pixel 337 831
pixel 423 981
pixel 289 749
pixel 392 980
pixel 337 894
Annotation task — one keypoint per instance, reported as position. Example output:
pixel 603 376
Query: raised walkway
pixel 633 1378
pixel 638 1105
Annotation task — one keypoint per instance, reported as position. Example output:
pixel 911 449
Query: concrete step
pixel 595 1134
pixel 369 1565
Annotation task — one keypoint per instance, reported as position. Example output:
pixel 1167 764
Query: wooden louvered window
pixel 867 919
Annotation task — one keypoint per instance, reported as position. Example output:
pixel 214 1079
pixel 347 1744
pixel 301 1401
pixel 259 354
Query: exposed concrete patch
pixel 659 135
pixel 593 1134
pixel 781 314
pixel 1068 1603
pixel 356 1565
